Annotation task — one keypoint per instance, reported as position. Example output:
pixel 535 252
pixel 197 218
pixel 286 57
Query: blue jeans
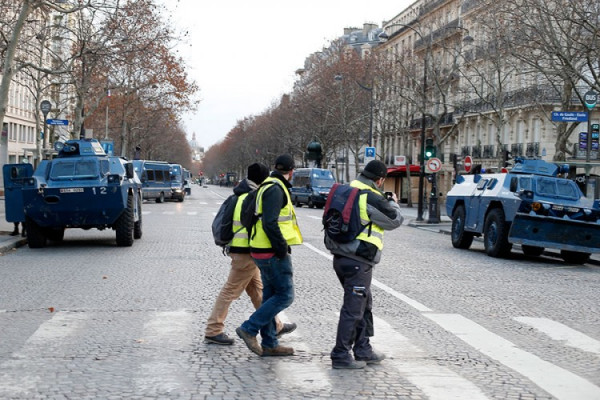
pixel 278 294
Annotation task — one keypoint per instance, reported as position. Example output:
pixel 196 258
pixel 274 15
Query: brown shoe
pixel 277 351
pixel 250 341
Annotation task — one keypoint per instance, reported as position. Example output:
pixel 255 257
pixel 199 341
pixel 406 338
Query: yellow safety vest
pixel 287 221
pixel 373 233
pixel 240 234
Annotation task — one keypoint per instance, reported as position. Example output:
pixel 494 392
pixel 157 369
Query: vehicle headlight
pixel 114 178
pixel 535 206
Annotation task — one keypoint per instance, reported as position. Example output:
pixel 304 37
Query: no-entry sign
pixel 468 162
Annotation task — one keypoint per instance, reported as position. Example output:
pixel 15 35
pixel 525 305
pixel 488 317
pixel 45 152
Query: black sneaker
pixel 221 338
pixel 287 328
pixel 376 358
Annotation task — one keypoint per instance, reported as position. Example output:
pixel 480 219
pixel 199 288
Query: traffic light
pixel 506 156
pixel 430 149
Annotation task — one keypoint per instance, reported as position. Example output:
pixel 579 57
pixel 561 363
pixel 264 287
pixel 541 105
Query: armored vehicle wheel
pixel 496 234
pixel 36 237
pixel 137 225
pixel 124 225
pixel 55 234
pixel 161 198
pixel 460 238
pixel 574 257
pixel 532 251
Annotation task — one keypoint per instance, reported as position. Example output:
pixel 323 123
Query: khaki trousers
pixel 243 276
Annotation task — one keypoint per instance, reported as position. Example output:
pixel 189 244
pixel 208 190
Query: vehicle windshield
pixel 74 169
pixel 323 179
pixel 556 188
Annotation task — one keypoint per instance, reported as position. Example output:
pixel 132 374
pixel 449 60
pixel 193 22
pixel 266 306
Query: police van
pixel 156 179
pixel 311 186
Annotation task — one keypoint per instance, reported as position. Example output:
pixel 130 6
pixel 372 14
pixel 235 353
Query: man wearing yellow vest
pixel 270 241
pixel 244 275
pixel 353 263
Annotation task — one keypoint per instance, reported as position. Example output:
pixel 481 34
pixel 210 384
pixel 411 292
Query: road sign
pixel 590 98
pixel 369 154
pixel 434 164
pixel 57 121
pixel 45 107
pixel 399 160
pixel 568 116
pixel 468 163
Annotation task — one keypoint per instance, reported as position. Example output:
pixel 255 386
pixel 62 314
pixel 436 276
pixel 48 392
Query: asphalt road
pixel 87 319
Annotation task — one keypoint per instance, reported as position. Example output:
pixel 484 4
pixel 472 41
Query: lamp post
pixel 384 37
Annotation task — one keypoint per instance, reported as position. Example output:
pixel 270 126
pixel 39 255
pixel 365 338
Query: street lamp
pixel 383 37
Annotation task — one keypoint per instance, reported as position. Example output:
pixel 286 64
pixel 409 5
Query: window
pixel 159 176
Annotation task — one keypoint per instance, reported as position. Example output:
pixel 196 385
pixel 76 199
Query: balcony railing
pixel 533 149
pixel 476 152
pixel 516 149
pixel 465 151
pixel 488 151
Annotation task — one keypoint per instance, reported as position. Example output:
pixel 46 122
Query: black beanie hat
pixel 374 170
pixel 257 173
pixel 284 163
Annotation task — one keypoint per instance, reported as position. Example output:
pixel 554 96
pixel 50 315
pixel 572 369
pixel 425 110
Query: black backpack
pixel 249 216
pixel 222 226
pixel 341 215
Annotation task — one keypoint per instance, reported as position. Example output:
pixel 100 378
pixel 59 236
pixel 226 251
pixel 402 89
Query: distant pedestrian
pixel 243 275
pixel 353 263
pixel 273 234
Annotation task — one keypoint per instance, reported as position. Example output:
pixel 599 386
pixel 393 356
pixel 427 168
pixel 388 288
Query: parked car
pixel 311 186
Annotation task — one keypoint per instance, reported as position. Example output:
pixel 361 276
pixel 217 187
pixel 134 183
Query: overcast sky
pixel 243 53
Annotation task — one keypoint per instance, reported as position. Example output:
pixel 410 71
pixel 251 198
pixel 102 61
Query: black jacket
pixel 273 200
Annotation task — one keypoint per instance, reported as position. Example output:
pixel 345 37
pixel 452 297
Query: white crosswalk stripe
pixel 167 333
pixel 52 337
pixel 560 383
pixel 436 381
pixel 558 331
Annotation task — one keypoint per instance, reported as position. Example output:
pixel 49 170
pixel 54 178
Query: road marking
pixel 400 296
pixel 301 374
pixel 557 331
pixel 146 212
pixel 167 338
pixel 559 382
pixel 203 203
pixel 435 381
pixel 315 217
pixel 192 213
pixel 168 212
pixel 413 303
pixel 48 341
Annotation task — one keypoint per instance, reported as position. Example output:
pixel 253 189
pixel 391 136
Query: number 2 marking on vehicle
pixel 102 190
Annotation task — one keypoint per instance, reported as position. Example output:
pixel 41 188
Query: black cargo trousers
pixel 355 325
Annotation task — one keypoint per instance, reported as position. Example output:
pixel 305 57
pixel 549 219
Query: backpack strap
pixel 330 197
pixel 252 232
pixel 347 211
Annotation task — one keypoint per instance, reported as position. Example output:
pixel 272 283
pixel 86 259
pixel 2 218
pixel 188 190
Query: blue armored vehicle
pixel 532 205
pixel 81 187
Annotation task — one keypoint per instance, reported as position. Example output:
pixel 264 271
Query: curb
pixel 12 244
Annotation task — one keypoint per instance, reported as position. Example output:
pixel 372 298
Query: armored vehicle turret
pixel 532 205
pixel 82 187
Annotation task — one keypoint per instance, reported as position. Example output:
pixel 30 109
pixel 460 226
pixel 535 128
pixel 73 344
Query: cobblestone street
pixel 86 319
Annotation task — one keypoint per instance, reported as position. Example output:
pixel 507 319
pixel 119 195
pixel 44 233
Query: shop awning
pixel 401 170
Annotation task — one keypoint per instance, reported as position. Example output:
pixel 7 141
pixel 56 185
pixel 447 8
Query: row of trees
pixel 77 53
pixel 535 55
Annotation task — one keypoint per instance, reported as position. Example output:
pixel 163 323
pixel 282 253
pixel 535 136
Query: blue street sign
pixel 568 116
pixel 370 152
pixel 57 121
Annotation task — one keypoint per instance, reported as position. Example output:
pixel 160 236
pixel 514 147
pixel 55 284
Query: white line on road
pixel 146 212
pixel 167 335
pixel 49 340
pixel 192 213
pixel 315 217
pixel 437 382
pixel 559 382
pixel 168 212
pixel 557 331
